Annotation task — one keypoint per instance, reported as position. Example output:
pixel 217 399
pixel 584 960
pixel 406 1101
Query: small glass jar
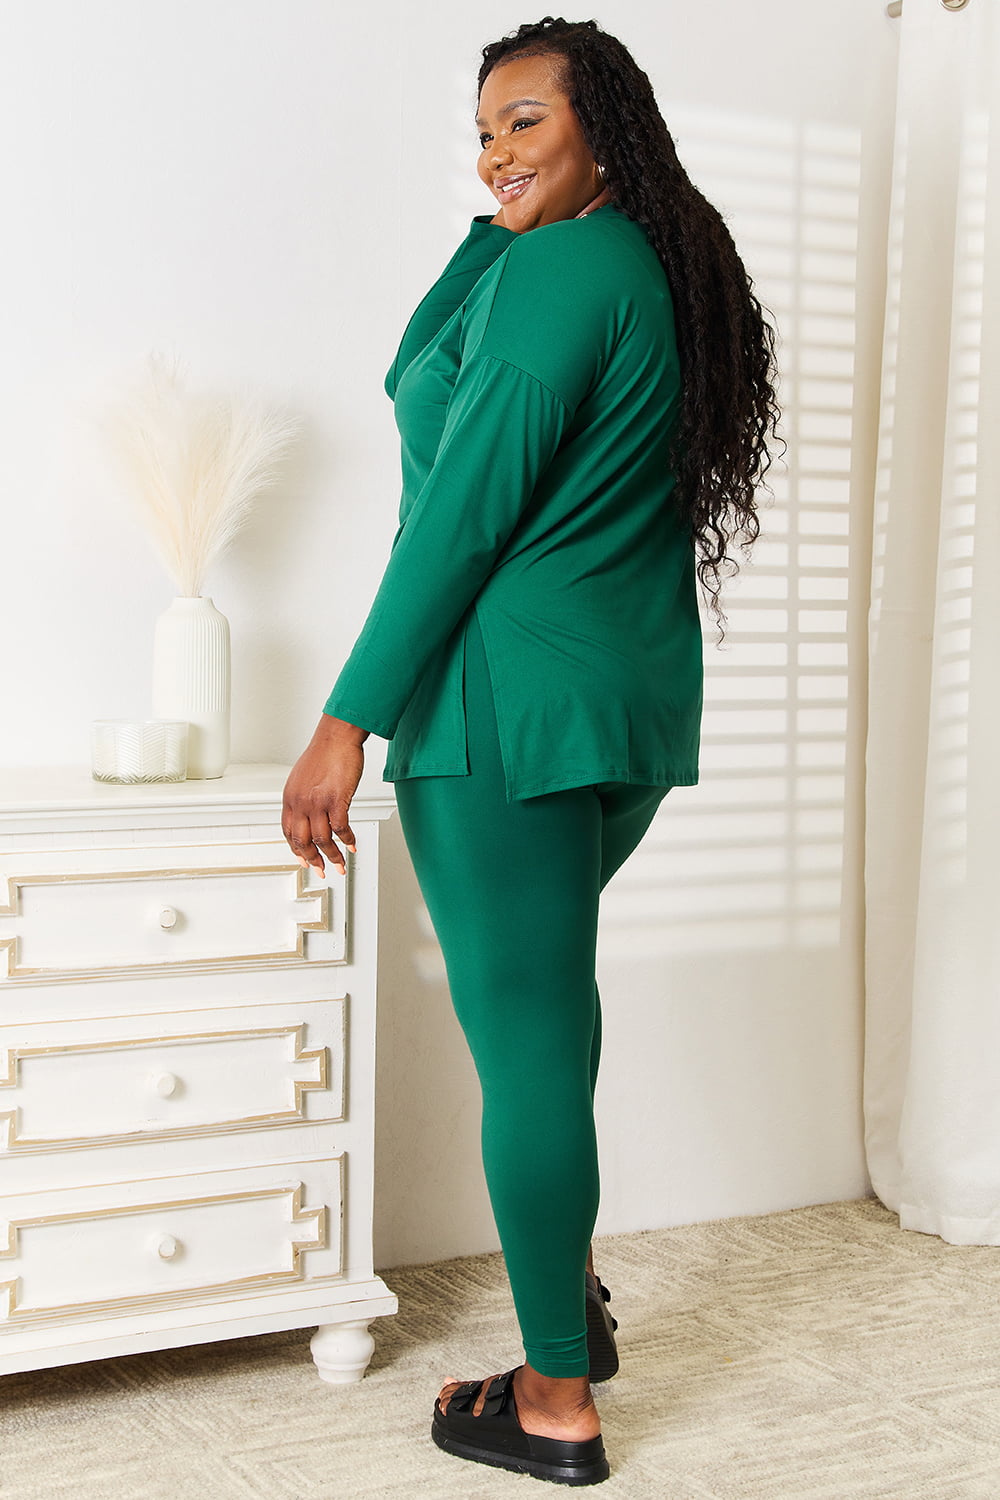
pixel 130 751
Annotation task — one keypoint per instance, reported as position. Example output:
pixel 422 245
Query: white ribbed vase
pixel 191 677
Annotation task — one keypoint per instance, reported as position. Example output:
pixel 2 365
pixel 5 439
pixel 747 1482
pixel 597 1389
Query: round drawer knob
pixel 165 1084
pixel 168 917
pixel 167 1247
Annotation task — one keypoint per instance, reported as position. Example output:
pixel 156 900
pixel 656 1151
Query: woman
pixel 583 398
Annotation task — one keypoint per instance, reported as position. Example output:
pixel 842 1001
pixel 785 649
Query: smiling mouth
pixel 509 188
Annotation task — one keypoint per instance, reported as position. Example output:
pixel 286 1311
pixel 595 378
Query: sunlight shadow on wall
pixel 752 858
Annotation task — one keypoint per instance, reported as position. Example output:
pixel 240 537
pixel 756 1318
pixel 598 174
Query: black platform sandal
pixel 496 1437
pixel 601 1346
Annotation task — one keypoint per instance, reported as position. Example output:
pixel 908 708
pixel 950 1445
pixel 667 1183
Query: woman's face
pixel 534 158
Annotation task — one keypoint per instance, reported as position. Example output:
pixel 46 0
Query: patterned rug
pixel 816 1354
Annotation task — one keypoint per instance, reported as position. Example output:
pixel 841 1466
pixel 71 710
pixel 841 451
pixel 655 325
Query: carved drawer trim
pixel 66 1260
pixel 170 1051
pixel 141 925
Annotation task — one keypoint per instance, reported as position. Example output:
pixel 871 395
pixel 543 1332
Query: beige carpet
pixel 816 1354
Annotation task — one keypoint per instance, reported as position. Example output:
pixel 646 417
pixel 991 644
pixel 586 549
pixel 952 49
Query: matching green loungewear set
pixel 533 655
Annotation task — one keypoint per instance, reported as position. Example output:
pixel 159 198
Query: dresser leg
pixel 342 1351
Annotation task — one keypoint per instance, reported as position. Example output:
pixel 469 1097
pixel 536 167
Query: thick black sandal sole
pixel 553 1459
pixel 601 1347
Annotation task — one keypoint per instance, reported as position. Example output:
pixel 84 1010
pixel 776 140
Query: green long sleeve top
pixel 535 390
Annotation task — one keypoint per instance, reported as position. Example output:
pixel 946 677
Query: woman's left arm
pixel 502 429
pixel 533 345
pixel 531 354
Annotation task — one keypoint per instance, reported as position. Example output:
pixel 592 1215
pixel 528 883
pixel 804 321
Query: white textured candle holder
pixel 129 751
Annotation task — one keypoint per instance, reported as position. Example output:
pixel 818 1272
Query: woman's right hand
pixel 317 797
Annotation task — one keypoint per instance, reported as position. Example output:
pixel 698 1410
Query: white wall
pixel 268 190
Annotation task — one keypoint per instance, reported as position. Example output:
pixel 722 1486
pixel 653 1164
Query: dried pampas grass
pixel 194 464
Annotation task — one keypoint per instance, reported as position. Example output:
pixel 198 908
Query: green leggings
pixel 512 890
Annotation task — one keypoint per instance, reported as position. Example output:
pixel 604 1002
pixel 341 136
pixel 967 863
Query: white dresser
pixel 187 1062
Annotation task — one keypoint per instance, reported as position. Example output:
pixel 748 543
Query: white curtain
pixel 932 1056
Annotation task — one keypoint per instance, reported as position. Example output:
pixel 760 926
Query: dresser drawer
pixel 88 1252
pixel 94 1082
pixel 85 913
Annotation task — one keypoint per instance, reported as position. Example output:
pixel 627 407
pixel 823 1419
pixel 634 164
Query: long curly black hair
pixel 725 344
